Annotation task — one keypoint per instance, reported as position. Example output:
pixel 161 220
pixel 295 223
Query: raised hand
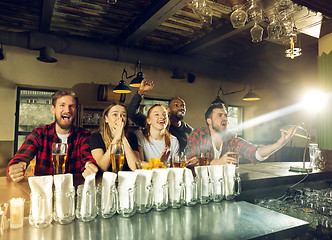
pixel 146 85
pixel 285 137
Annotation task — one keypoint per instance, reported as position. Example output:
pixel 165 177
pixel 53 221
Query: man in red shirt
pixel 216 143
pixel 39 143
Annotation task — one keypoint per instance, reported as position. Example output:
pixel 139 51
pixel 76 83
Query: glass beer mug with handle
pixel 117 157
pixel 59 157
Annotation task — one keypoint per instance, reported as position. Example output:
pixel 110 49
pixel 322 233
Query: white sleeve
pixel 259 158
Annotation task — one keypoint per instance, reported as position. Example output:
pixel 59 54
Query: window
pixel 33 109
pixel 235 118
pixel 149 102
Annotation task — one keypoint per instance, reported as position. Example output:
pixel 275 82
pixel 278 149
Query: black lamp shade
pixel 251 96
pixel 47 55
pixel 122 88
pixel 136 82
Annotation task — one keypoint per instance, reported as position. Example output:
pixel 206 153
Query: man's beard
pixel 64 126
pixel 218 129
pixel 178 118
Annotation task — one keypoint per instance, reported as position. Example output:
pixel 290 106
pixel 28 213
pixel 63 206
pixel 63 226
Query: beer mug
pixel 216 173
pixel 107 200
pixel 175 187
pixel 41 208
pixel 126 203
pixel 144 197
pixel 59 157
pixel 204 189
pixel 86 209
pixel 64 206
pixel 232 182
pixel 117 157
pixel 190 193
pixel 160 196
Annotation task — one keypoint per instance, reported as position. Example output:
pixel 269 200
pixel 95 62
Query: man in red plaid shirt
pixel 39 143
pixel 216 143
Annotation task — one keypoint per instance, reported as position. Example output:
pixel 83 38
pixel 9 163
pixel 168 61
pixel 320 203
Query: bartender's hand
pixel 146 85
pixel 90 168
pixel 225 159
pixel 285 137
pixel 16 171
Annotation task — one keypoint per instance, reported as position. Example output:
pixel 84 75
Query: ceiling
pixel 158 32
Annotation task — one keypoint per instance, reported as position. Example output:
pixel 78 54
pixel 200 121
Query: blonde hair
pixel 146 129
pixel 104 129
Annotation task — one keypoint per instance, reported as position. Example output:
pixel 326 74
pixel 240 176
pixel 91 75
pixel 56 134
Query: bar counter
pixel 225 220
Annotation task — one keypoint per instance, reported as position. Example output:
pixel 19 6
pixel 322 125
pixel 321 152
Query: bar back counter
pixel 237 219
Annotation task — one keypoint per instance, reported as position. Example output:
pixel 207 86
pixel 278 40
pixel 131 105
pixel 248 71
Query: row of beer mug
pixel 139 198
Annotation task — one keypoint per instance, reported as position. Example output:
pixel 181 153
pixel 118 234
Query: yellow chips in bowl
pixel 154 163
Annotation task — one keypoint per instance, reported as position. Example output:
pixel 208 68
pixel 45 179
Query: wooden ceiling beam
pixel 150 19
pixel 46 16
pixel 217 36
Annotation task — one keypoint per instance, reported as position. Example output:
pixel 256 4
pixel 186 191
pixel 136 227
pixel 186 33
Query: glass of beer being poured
pixel 117 157
pixel 59 157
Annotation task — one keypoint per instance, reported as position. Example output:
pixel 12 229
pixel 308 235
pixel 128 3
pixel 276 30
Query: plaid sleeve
pixel 85 152
pixel 27 151
pixel 247 149
pixel 193 143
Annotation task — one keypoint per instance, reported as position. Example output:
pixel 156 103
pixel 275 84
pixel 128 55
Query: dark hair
pixel 104 128
pixel 211 108
pixel 146 129
pixel 62 93
pixel 169 102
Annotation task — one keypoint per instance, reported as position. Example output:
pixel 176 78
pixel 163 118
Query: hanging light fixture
pixel 292 51
pixel 46 54
pixel 136 82
pixel 122 87
pixel 251 96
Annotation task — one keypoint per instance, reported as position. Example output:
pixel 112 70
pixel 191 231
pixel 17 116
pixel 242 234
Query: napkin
pixel 202 180
pixel 229 179
pixel 63 184
pixel 175 178
pixel 108 182
pixel 159 179
pixel 88 187
pixel 216 173
pixel 41 186
pixel 126 188
pixel 143 180
pixel 189 181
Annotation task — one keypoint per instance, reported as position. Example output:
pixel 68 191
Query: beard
pixel 67 125
pixel 178 118
pixel 219 129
